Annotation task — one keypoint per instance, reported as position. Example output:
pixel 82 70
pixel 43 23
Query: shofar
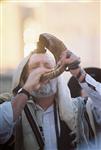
pixel 57 47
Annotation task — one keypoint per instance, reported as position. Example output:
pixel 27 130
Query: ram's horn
pixel 52 43
pixel 57 47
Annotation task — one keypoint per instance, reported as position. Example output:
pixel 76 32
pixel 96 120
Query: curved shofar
pixel 56 71
pixel 56 46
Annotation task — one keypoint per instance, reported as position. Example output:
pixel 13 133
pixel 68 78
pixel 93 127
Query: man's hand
pixel 33 81
pixel 68 58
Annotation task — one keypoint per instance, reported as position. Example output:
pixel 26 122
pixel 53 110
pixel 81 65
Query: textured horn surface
pixel 52 43
pixel 57 47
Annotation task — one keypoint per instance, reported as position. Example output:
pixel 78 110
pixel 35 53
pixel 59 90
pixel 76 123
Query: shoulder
pixel 5 97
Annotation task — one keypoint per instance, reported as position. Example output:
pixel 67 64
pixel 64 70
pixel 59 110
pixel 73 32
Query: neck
pixel 45 102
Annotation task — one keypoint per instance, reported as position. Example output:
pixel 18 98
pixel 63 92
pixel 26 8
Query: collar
pixel 39 108
pixel 48 110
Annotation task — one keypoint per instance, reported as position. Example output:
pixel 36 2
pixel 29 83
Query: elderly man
pixel 41 111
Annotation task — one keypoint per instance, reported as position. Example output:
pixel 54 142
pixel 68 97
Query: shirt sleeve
pixel 95 96
pixel 94 83
pixel 6 121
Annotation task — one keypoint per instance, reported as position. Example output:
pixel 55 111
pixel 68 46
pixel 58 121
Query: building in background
pixel 76 23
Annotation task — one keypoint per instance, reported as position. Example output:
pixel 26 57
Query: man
pixel 50 120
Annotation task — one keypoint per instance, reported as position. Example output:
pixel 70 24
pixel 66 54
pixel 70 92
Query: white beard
pixel 46 90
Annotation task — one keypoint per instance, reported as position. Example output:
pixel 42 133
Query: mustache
pixel 47 89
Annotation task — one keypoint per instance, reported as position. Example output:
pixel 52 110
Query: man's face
pixel 43 60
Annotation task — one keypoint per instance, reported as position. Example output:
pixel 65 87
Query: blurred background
pixel 77 23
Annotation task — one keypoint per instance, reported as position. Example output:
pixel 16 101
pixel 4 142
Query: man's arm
pixel 10 111
pixel 93 89
pixel 33 83
pixel 87 83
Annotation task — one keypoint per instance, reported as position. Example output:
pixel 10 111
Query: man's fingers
pixel 38 86
pixel 64 60
pixel 42 70
pixel 72 59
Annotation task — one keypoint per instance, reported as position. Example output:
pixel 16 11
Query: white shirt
pixel 46 121
pixel 6 121
pixel 94 83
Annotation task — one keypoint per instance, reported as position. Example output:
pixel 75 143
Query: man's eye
pixel 48 66
pixel 34 67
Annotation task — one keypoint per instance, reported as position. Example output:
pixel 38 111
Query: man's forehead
pixel 42 58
